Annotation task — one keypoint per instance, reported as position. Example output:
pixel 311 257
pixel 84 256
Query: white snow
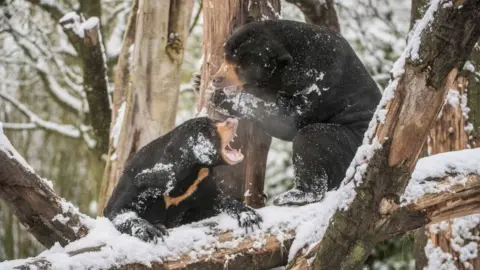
pixel 463 240
pixel 160 167
pixel 75 25
pixel 457 165
pixel 117 126
pixel 437 258
pixel 195 240
pixel 453 98
pixel 414 39
pixel 414 42
pixel 90 23
pixel 203 149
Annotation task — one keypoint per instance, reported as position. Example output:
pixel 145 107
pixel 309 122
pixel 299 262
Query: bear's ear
pixel 285 59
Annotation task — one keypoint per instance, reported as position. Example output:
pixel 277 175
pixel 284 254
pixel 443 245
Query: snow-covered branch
pixel 36 60
pixel 219 242
pixel 38 122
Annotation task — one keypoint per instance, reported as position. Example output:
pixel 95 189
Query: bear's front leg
pixel 246 216
pixel 321 156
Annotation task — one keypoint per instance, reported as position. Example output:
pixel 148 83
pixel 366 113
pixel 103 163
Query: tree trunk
pixel 152 96
pixel 220 18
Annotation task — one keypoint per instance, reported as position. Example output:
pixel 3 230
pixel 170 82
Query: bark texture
pixel 36 205
pixel 419 95
pixel 152 96
pixel 220 18
pixel 95 82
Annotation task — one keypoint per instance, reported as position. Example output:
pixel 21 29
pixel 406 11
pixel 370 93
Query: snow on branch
pixel 35 58
pixel 219 242
pixel 37 122
pixel 86 37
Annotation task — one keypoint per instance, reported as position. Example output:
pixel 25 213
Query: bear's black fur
pixel 300 83
pixel 169 182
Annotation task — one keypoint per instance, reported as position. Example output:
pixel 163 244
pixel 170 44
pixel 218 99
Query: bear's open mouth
pixel 227 131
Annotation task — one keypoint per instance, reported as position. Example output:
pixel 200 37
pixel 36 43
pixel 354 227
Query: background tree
pixel 149 103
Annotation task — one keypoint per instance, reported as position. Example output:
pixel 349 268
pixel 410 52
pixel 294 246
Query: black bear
pixel 300 83
pixel 169 182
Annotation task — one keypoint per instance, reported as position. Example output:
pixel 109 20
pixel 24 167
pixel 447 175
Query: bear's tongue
pixel 233 154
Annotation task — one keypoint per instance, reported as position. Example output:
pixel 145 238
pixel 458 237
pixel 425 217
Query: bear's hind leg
pixel 321 155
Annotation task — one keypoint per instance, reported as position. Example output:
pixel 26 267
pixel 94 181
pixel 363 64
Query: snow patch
pixel 203 149
pixel 457 165
pixel 117 127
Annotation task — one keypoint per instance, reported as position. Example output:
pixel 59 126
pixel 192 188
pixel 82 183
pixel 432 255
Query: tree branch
pixel 37 122
pixel 319 12
pixel 46 216
pixel 245 252
pixel 86 37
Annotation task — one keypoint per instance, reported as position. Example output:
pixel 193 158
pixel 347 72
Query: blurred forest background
pixel 42 102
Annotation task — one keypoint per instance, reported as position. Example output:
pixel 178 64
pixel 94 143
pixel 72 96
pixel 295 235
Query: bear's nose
pixel 217 81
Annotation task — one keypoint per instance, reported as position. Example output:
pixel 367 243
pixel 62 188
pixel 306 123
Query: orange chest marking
pixel 202 174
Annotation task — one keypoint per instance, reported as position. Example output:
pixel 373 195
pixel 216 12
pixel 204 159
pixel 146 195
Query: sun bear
pixel 169 182
pixel 301 83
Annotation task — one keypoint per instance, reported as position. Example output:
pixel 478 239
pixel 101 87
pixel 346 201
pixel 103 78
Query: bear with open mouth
pixel 169 182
